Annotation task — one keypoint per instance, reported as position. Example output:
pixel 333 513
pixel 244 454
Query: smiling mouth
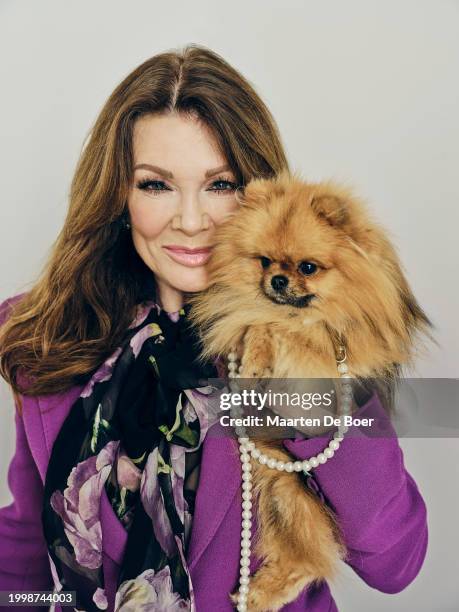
pixel 191 258
pixel 298 302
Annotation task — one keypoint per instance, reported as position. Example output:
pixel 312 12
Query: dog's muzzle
pixel 281 294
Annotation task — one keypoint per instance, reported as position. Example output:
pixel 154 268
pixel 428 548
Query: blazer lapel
pixel 219 480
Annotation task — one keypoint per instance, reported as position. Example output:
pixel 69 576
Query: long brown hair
pixel 76 313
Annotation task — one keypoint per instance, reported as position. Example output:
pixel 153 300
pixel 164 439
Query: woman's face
pixel 182 189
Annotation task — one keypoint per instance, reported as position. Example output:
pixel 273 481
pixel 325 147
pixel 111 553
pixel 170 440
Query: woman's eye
pixel 223 185
pixel 152 186
pixel 156 186
pixel 307 267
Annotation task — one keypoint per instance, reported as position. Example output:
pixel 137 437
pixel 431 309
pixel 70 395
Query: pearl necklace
pixel 248 450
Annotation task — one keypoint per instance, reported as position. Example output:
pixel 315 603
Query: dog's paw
pixel 257 600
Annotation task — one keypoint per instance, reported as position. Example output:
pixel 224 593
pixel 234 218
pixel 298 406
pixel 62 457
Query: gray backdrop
pixel 362 91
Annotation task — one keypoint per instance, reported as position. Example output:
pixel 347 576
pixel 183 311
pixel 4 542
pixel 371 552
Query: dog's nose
pixel 279 282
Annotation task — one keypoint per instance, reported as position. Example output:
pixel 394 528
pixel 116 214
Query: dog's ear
pixel 255 192
pixel 331 208
pixel 261 190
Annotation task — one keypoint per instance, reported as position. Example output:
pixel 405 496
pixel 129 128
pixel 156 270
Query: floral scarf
pixel 128 431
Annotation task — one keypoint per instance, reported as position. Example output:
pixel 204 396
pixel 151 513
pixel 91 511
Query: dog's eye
pixel 307 267
pixel 265 262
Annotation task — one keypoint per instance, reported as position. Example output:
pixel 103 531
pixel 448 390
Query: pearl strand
pixel 248 450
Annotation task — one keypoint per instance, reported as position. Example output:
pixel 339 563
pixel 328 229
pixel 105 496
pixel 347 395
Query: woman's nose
pixel 193 216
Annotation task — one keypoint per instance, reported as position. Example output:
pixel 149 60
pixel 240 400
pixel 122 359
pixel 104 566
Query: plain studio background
pixel 362 91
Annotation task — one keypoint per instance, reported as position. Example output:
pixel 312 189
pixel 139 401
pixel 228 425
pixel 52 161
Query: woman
pixel 134 507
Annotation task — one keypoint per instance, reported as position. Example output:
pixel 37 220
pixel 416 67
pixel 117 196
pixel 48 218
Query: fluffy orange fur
pixel 356 296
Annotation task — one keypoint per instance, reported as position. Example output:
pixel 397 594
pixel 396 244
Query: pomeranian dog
pixel 298 271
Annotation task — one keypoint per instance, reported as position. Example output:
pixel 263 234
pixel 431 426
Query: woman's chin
pixel 191 283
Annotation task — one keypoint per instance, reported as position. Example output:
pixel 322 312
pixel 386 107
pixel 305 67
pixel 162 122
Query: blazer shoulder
pixel 6 305
pixel 5 310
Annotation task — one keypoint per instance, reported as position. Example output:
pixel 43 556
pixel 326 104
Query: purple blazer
pixel 379 507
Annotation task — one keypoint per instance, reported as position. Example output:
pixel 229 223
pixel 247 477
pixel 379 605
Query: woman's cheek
pixel 149 221
pixel 219 213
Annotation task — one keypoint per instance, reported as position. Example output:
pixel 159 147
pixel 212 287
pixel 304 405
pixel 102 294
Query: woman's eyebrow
pixel 169 175
pixel 223 168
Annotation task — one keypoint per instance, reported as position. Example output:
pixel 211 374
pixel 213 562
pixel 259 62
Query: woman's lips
pixel 188 257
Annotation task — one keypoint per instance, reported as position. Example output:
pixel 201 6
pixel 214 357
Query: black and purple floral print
pixel 128 433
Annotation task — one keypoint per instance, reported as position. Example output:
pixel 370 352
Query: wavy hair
pixel 77 311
